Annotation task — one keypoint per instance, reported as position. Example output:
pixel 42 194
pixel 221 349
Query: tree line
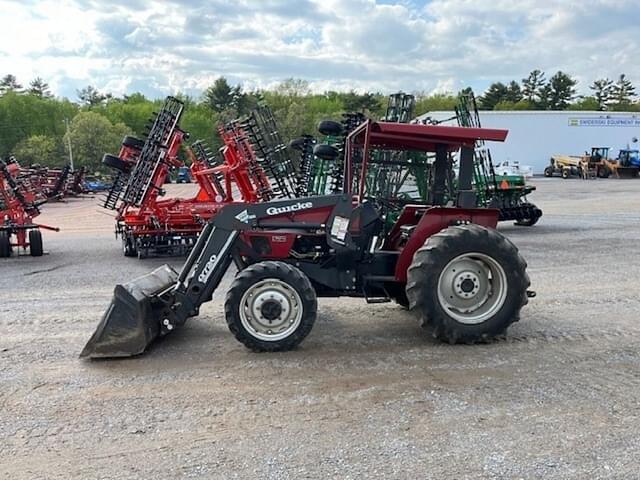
pixel 535 92
pixel 37 127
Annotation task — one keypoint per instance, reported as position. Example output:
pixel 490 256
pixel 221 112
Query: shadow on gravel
pixel 541 230
pixel 383 334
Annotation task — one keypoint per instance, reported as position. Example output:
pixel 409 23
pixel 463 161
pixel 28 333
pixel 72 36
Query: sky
pixel 437 46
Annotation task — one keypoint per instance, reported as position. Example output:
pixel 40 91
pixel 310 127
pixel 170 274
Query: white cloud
pixel 163 46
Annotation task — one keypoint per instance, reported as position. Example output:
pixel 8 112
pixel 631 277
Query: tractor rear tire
pixel 467 283
pixel 115 162
pixel 271 307
pixel 326 152
pixel 133 142
pixel 5 244
pixel 35 243
pixel 329 127
pixel 566 173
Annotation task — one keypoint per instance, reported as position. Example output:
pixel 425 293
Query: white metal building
pixel 536 135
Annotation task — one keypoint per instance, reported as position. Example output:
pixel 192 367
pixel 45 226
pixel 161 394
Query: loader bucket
pixel 627 172
pixel 130 323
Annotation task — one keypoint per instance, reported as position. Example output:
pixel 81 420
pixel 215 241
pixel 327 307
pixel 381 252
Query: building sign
pixel 628 121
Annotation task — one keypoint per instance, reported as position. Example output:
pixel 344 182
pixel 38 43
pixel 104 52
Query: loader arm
pixel 155 304
pixel 219 242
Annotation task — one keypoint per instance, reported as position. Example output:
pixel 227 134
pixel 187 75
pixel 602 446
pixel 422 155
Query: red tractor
pixel 442 258
pixel 18 207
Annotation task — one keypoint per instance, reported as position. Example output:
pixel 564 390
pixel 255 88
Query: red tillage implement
pixel 18 207
pixel 149 224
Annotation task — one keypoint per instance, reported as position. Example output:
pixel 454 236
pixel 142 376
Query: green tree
pixel 514 93
pixel 602 90
pixel 9 83
pixel 434 103
pixel 561 91
pixel 135 98
pixel 531 86
pixel 219 96
pixel 201 123
pixel 508 105
pixel 544 97
pixel 622 91
pixel 39 88
pixel 134 111
pixel 496 93
pixel 586 103
pixel 40 149
pixel 366 102
pixel 22 116
pixel 294 121
pixel 92 135
pixel 294 87
pixel 91 97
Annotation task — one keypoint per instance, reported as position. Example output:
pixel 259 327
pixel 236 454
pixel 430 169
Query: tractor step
pixel 377 299
pixel 375 282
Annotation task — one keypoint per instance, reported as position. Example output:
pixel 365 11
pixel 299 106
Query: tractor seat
pixel 365 223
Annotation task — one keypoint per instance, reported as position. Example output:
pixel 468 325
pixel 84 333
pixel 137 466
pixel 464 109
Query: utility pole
pixel 66 122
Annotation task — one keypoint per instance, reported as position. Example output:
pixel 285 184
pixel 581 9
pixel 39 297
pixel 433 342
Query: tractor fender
pixel 436 219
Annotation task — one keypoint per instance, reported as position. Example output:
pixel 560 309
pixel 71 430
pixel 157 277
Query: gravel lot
pixel 366 395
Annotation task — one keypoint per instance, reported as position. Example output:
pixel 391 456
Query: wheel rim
pixel 472 288
pixel 271 310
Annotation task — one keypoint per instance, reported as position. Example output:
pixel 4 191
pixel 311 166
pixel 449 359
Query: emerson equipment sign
pixel 629 121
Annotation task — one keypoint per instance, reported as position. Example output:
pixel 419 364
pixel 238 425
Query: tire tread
pixel 421 284
pixel 269 269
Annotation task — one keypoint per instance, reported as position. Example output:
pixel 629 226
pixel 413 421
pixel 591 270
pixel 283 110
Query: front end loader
pixel 442 258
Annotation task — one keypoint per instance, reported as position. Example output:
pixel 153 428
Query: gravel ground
pixel 366 395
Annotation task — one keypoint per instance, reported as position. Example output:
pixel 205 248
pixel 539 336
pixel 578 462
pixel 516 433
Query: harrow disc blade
pixel 131 322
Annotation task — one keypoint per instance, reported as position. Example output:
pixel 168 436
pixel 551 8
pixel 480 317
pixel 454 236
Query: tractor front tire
pixel 467 283
pixel 5 244
pixel 35 243
pixel 548 171
pixel 271 307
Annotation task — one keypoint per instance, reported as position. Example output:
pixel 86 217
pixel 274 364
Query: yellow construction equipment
pixel 626 165
pixel 589 165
